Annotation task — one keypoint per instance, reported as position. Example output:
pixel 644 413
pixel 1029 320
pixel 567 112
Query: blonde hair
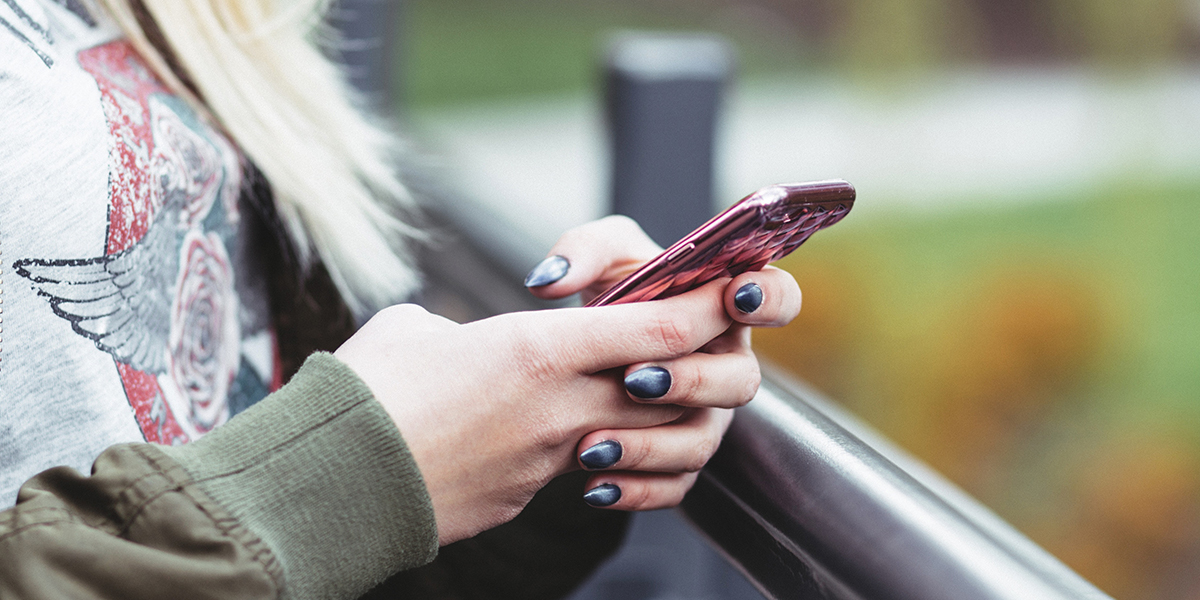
pixel 256 69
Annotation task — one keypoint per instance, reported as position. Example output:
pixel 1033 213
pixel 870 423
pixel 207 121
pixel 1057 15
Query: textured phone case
pixel 763 227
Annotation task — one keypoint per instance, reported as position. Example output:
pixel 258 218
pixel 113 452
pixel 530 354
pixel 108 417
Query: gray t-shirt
pixel 131 306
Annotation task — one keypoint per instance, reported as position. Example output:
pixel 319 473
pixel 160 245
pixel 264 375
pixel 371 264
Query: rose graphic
pixel 203 343
pixel 186 167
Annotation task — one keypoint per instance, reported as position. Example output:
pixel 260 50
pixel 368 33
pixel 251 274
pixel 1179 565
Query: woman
pixel 168 169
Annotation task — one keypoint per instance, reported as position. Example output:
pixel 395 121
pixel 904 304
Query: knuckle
pixel 620 223
pixel 752 382
pixel 677 494
pixel 401 312
pixel 547 471
pixel 675 499
pixel 790 301
pixel 746 397
pixel 674 335
pixel 671 493
pixel 548 431
pixel 674 412
pixel 572 236
pixel 508 512
pixel 710 447
pixel 412 319
pixel 532 356
pixel 636 496
pixel 537 365
pixel 637 452
pixel 510 509
pixel 610 226
pixel 665 413
pixel 692 381
pixel 704 449
pixel 696 461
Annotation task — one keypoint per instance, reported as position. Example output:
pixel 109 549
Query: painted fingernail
pixel 648 382
pixel 602 495
pixel 748 298
pixel 602 455
pixel 547 272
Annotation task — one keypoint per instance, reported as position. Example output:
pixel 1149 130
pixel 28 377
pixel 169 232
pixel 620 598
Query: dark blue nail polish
pixel 547 272
pixel 748 298
pixel 602 455
pixel 602 495
pixel 649 382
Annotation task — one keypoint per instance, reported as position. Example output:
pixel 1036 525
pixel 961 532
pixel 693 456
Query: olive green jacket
pixel 311 493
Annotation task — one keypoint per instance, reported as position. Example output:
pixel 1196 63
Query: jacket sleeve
pixel 311 493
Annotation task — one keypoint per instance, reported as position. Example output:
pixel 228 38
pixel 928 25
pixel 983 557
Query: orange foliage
pixel 1136 516
pixel 1023 343
pixel 819 344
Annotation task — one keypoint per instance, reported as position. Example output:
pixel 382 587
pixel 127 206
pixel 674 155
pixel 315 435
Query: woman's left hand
pixel 651 468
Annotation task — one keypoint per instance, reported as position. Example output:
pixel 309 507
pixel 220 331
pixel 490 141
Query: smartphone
pixel 762 227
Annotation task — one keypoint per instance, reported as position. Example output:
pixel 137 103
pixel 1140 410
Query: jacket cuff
pixel 319 471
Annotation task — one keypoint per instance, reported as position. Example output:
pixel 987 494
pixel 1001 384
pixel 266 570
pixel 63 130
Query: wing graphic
pixel 121 301
pixel 27 29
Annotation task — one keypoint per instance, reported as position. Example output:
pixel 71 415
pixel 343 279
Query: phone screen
pixel 761 228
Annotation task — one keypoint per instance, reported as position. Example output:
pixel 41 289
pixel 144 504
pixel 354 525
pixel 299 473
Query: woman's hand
pixel 493 410
pixel 653 467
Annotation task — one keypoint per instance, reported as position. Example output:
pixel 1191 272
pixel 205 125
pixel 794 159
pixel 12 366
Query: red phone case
pixel 762 227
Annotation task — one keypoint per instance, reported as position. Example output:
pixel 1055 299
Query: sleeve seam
pixel 226 523
pixel 64 516
pixel 294 439
pixel 141 506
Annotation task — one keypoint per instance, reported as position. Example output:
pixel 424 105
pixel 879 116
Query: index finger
pixel 592 256
pixel 605 337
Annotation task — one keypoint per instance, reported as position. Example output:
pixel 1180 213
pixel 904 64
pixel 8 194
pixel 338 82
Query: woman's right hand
pixel 492 410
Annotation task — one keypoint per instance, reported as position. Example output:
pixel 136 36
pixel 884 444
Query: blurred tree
pixel 1018 31
pixel 1123 32
pixel 883 35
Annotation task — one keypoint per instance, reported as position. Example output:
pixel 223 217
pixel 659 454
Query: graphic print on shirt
pixel 20 22
pixel 161 300
pixel 25 21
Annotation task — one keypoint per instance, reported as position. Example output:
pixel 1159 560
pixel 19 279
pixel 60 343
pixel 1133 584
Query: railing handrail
pixel 853 518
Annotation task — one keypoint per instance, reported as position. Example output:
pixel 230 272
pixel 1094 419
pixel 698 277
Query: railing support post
pixel 663 98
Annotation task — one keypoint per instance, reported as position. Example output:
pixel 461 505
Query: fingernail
pixel 748 298
pixel 602 495
pixel 602 455
pixel 648 382
pixel 548 271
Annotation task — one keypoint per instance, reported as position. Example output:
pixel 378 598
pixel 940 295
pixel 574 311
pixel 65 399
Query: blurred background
pixel 1016 297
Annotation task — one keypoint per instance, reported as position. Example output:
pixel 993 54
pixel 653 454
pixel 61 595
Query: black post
pixel 663 97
